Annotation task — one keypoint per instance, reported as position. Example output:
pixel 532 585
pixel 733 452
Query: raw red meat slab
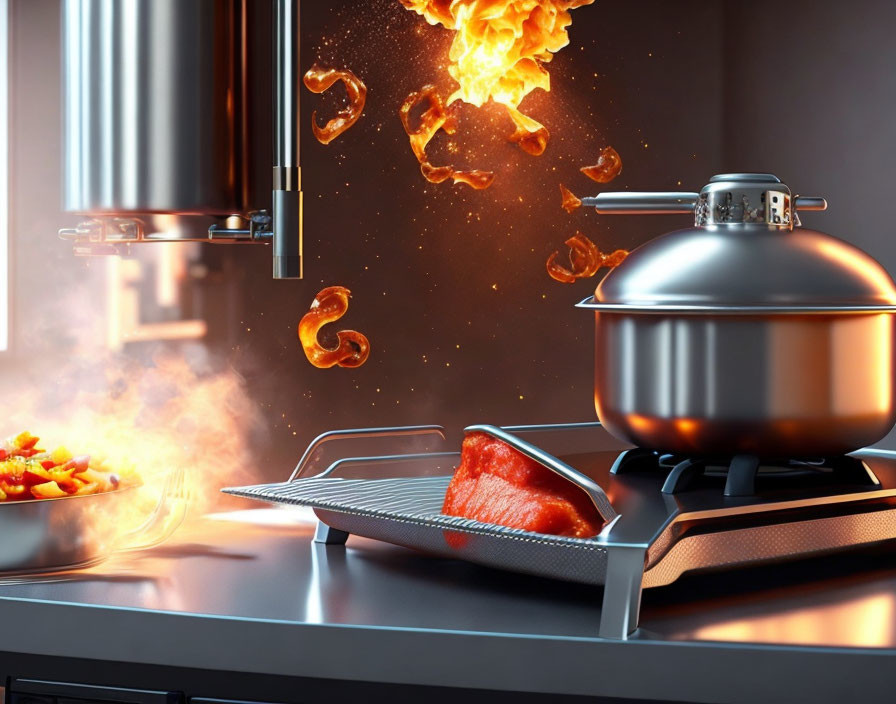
pixel 497 484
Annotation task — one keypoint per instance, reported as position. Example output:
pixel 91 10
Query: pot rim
pixel 661 308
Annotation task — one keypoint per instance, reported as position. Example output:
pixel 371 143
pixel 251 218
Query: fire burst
pixel 500 50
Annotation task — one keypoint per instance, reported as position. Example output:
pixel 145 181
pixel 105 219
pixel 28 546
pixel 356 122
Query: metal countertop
pixel 248 591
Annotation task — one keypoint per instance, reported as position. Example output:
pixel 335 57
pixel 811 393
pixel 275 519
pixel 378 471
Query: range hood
pixel 174 114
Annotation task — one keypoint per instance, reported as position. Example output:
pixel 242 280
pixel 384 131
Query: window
pixel 4 176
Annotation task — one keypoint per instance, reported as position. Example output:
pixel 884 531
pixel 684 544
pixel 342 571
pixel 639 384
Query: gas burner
pixel 741 473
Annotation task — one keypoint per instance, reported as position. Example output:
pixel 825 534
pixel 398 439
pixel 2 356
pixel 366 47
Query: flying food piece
pixel 435 174
pixel 434 118
pixel 352 349
pixel 530 135
pixel 497 484
pixel 570 202
pixel 475 178
pixel 608 166
pixel 319 79
pixel 585 260
pixel 614 259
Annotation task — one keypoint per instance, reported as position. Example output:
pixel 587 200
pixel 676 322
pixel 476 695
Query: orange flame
pixel 500 50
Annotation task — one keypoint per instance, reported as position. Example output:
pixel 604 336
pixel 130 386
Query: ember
pixel 500 49
pixel 319 79
pixel 570 201
pixel 608 166
pixel 585 259
pixel 436 117
pixel 328 306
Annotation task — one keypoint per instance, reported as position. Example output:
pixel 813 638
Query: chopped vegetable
pixel 47 490
pixel 28 472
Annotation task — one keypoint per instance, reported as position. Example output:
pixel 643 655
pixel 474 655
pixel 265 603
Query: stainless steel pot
pixel 743 334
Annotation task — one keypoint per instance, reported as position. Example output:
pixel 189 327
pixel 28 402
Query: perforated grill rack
pixel 406 510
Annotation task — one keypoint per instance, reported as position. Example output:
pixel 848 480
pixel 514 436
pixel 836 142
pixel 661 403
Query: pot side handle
pixel 668 202
pixel 636 202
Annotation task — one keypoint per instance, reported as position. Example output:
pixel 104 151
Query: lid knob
pixel 737 199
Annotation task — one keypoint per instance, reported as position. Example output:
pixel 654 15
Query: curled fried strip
pixel 432 119
pixel 319 79
pixel 557 271
pixel 530 135
pixel 570 202
pixel 585 260
pixel 608 166
pixel 436 117
pixel 328 306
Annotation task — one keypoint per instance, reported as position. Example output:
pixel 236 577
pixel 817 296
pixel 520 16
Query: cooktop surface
pixel 231 591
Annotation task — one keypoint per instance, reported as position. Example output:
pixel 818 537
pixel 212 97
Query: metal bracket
pixel 622 591
pixel 327 535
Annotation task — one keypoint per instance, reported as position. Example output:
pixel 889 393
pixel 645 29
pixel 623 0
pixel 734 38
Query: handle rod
pixel 629 203
pixel 810 203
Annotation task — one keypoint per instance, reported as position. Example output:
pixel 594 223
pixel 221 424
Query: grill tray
pixel 407 511
pixel 649 538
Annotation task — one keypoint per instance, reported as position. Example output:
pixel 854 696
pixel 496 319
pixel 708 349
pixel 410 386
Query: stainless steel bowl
pixel 741 334
pixel 52 534
pixel 71 532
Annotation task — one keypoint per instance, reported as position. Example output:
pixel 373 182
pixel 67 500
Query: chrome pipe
pixel 287 195
pixel 628 203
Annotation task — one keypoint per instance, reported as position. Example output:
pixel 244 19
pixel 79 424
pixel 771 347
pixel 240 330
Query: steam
pixel 175 409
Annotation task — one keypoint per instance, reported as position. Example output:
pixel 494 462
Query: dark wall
pixel 449 283
pixel 811 95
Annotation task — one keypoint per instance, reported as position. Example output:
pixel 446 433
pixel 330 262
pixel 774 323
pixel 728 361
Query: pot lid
pixel 743 253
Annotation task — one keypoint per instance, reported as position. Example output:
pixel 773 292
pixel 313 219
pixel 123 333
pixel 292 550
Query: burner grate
pixel 741 472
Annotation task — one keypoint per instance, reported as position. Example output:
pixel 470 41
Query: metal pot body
pixel 773 385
